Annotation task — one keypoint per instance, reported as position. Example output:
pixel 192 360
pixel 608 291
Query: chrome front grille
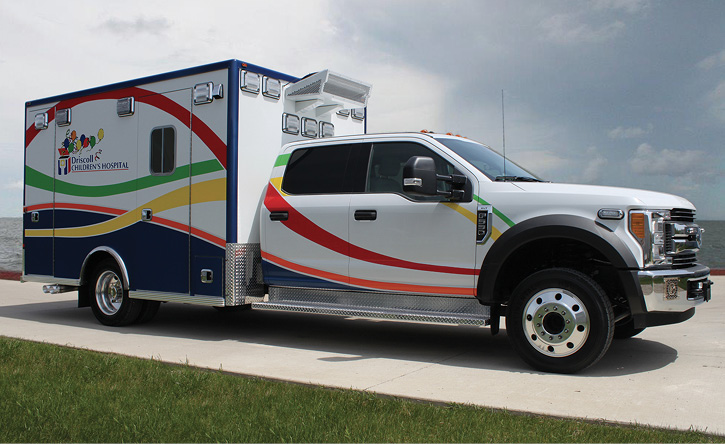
pixel 682 215
pixel 682 237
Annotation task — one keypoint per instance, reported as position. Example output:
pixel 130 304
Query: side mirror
pixel 419 176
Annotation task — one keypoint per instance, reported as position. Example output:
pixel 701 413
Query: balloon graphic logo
pixel 74 144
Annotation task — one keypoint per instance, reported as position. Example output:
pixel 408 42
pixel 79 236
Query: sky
pixel 624 93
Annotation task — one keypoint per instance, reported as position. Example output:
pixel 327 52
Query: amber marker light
pixel 637 225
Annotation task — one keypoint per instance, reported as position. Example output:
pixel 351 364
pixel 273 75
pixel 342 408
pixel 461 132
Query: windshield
pixel 488 161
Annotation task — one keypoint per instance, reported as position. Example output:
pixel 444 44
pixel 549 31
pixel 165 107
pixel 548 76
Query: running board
pixel 422 308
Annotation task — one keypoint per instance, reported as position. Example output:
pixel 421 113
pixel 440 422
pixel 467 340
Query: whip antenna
pixel 503 128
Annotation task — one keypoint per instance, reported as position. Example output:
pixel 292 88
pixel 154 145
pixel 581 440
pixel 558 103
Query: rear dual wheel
pixel 560 320
pixel 110 302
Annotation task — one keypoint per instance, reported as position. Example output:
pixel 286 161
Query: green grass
pixel 50 393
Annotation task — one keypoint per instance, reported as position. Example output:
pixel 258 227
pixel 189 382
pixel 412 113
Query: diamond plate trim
pixel 377 305
pixel 244 274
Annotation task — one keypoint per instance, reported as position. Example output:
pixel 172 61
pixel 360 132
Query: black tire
pixel 626 330
pixel 109 300
pixel 148 311
pixel 560 320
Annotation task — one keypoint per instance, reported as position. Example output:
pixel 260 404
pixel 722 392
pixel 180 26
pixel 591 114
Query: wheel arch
pixel 577 230
pixel 98 254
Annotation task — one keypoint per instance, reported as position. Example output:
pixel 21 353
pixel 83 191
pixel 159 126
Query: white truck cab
pixel 426 226
pixel 173 188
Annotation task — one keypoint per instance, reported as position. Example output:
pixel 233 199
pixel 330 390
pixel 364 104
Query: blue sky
pixel 610 92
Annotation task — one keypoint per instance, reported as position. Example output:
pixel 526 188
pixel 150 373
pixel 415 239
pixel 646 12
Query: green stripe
pixel 501 216
pixel 39 180
pixel 282 160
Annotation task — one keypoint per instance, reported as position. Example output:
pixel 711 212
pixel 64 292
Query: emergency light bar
pixel 326 91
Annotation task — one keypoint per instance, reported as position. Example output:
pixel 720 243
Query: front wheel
pixel 560 320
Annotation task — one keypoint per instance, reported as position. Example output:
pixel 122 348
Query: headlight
pixel 648 227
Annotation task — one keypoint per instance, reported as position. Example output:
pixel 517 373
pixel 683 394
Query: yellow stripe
pixel 209 191
pixel 470 215
pixel 277 183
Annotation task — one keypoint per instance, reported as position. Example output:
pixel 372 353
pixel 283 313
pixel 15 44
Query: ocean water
pixel 712 253
pixel 11 243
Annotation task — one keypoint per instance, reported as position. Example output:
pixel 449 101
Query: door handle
pixel 366 214
pixel 147 214
pixel 279 215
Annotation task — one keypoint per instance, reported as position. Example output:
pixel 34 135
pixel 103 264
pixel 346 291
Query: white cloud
pixel 139 25
pixel 716 101
pixel 621 132
pixel 650 161
pixel 714 61
pixel 15 185
pixel 629 6
pixel 594 166
pixel 569 29
pixel 544 163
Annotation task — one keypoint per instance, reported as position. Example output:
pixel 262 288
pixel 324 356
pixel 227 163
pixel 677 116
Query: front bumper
pixel 671 295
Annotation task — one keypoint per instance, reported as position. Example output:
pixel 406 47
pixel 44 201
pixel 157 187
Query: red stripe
pixel 376 285
pixel 70 206
pixel 193 231
pixel 206 134
pixel 303 226
pixel 159 220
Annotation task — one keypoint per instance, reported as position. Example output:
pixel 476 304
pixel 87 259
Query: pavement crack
pixel 427 366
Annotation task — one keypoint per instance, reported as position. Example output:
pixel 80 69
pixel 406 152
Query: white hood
pixel 604 196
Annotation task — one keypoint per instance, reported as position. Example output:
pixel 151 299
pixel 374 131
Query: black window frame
pixel 163 151
pixel 351 180
pixel 428 152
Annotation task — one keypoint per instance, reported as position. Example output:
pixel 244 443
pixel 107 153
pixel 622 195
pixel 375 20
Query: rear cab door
pixel 305 223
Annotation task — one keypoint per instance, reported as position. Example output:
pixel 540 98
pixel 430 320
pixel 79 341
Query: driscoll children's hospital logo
pixel 80 154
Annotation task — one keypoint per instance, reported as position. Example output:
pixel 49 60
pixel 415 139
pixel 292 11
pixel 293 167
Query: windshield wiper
pixel 517 179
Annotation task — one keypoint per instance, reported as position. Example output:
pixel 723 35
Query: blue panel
pixel 216 265
pixel 76 218
pixel 70 252
pixel 162 258
pixel 275 275
pixel 38 250
pixel 232 152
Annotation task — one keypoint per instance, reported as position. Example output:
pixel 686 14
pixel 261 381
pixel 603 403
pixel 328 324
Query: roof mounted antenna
pixel 503 128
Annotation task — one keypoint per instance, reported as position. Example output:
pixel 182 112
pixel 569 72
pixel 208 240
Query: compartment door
pixel 162 229
pixel 38 215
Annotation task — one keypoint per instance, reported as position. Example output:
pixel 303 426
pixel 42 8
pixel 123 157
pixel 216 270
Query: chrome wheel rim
pixel 109 293
pixel 556 322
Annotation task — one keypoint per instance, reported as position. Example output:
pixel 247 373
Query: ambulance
pixel 235 186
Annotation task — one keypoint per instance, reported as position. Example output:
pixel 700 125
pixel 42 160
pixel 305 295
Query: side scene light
pixel 62 117
pixel 309 127
pixel 125 106
pixel 250 82
pixel 327 129
pixel 41 121
pixel 358 113
pixel 290 124
pixel 271 88
pixel 203 93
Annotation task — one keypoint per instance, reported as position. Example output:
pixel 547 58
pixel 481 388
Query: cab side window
pixel 385 173
pixel 328 169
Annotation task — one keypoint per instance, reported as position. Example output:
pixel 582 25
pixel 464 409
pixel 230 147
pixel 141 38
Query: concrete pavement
pixel 669 376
